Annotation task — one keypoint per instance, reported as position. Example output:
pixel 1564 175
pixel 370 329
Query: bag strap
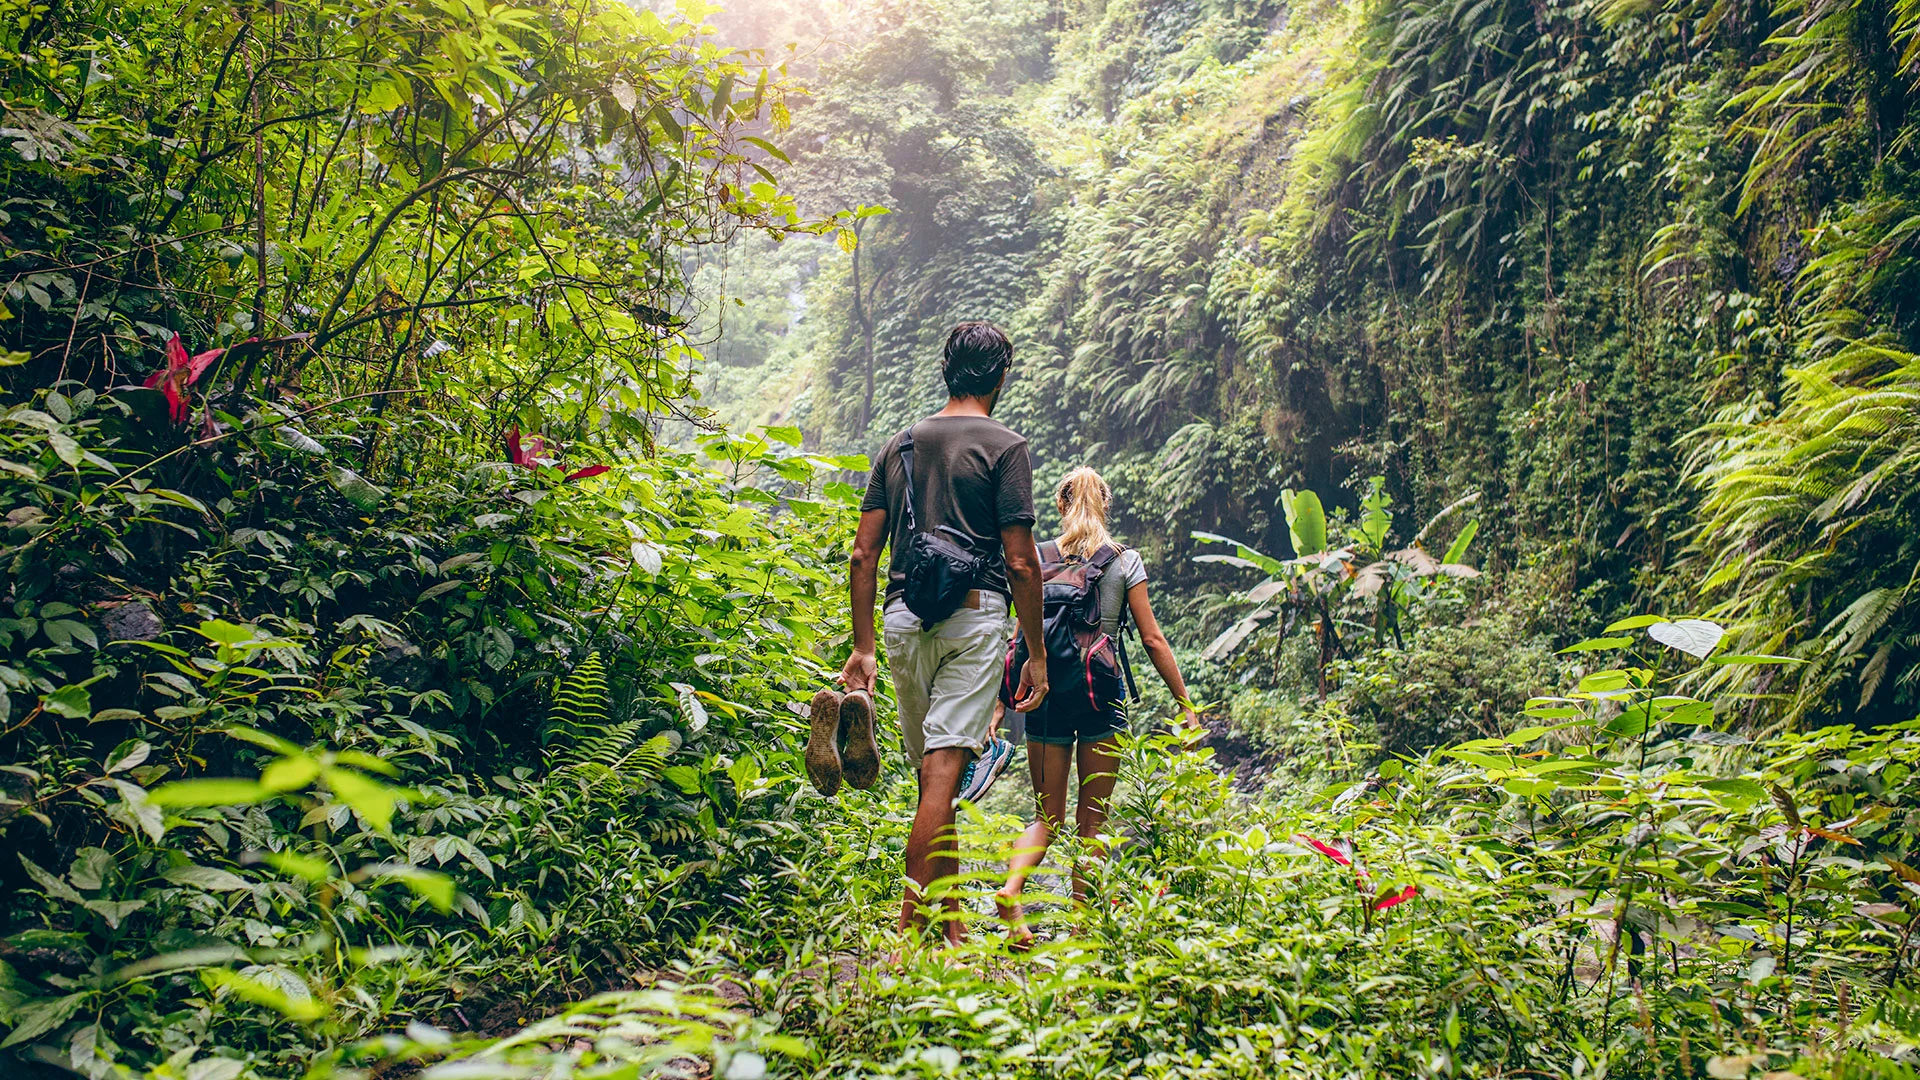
pixel 1126 666
pixel 1050 552
pixel 906 466
pixel 1104 556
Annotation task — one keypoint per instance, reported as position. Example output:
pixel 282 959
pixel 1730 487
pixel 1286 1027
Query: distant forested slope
pixel 1642 274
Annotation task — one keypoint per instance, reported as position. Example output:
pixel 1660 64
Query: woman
pixel 1083 498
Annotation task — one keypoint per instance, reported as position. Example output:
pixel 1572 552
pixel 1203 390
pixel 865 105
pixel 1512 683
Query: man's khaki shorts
pixel 947 680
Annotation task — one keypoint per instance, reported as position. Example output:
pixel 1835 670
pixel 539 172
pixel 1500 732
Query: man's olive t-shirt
pixel 970 472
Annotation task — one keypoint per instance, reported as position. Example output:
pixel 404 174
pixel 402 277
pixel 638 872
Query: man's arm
pixel 869 542
pixel 1023 574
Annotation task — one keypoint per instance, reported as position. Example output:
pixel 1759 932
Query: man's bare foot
pixel 1014 914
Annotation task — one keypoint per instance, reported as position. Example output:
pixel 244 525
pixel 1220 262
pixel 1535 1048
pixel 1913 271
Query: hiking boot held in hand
pixel 859 752
pixel 823 751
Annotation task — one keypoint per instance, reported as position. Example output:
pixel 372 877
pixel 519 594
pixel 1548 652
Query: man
pixel 973 475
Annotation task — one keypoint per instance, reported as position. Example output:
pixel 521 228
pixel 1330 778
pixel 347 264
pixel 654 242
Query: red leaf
pixel 591 470
pixel 1328 850
pixel 1400 897
pixel 524 454
pixel 172 380
pixel 198 366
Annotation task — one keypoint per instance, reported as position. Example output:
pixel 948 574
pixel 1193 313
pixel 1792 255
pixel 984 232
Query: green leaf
pixel 54 885
pixel 1531 787
pixel 297 865
pixel 290 773
pixel 41 1015
pixel 357 489
pixel 496 648
pixel 294 1006
pixel 430 885
pixel 1632 722
pixel 684 777
pixel 369 798
pixel 128 755
pixel 300 440
pixel 1745 790
pixel 114 911
pixel 1634 622
pixel 1597 644
pixel 1306 521
pixel 71 701
pixel 772 151
pixel 225 633
pixel 1458 549
pixel 209 878
pixel 213 792
pixel 694 713
pixel 260 738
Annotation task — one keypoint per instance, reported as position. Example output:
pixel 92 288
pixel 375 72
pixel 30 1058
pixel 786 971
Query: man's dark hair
pixel 976 357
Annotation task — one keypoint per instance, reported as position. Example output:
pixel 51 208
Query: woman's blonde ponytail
pixel 1083 498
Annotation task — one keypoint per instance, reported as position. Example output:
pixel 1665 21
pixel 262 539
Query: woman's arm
pixel 1160 652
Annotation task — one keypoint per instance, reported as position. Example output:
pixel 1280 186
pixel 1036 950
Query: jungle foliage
pixel 402 672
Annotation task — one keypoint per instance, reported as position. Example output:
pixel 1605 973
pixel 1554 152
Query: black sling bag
pixel 942 566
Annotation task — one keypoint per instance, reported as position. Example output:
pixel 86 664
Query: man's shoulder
pixel 995 435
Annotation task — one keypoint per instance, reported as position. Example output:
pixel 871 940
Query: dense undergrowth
pixel 399 672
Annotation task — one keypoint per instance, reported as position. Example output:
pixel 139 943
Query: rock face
pixel 130 621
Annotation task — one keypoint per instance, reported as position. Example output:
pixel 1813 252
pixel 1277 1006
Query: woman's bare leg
pixel 1098 763
pixel 1048 765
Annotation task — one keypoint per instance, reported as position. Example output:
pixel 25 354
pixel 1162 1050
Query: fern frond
pixel 579 702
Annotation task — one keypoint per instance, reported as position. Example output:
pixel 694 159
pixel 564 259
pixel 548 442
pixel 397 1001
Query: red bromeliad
pixel 180 372
pixel 1360 876
pixel 1328 850
pixel 527 455
pixel 1400 897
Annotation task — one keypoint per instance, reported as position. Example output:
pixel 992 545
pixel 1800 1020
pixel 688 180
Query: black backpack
pixel 942 566
pixel 1087 671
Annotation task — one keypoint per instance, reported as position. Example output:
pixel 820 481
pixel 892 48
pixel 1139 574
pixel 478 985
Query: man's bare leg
pixel 932 847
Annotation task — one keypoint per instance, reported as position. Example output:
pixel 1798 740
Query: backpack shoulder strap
pixel 906 467
pixel 1050 552
pixel 1105 556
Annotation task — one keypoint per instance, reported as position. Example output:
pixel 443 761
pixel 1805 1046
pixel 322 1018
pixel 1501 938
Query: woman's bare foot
pixel 1014 914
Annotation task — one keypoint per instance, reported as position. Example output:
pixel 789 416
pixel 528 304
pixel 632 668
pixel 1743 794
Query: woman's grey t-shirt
pixel 1124 572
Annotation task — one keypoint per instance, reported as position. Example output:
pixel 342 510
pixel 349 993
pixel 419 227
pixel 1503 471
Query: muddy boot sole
pixel 861 759
pixel 823 755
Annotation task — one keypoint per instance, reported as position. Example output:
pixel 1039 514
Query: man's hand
pixel 1033 685
pixel 861 673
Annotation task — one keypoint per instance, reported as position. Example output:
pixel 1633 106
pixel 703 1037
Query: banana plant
pixel 1321 576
